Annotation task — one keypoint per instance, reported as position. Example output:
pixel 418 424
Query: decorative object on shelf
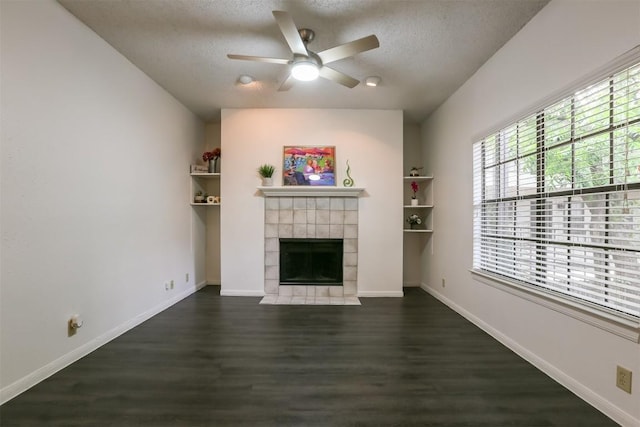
pixel 414 198
pixel 199 168
pixel 414 220
pixel 266 172
pixel 309 166
pixel 212 157
pixel 199 197
pixel 415 171
pixel 348 181
pixel 211 199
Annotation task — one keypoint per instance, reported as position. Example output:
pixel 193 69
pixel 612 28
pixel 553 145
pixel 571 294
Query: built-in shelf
pixel 205 175
pixel 311 191
pixel 424 210
pixel 207 183
pixel 418 178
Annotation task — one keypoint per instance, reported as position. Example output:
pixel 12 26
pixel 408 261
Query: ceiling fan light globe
pixel 372 81
pixel 245 79
pixel 305 71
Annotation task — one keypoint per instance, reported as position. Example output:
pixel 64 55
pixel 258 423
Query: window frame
pixel 577 307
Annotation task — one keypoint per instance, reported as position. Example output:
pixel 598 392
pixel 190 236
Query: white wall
pixel 372 142
pixel 95 214
pixel 212 247
pixel 414 243
pixel 565 41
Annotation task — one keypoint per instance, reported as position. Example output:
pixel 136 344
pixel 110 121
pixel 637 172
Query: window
pixel 557 197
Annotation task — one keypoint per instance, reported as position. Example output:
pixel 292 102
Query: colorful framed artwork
pixel 309 165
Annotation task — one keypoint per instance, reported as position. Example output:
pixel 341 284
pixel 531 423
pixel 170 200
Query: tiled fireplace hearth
pixel 305 216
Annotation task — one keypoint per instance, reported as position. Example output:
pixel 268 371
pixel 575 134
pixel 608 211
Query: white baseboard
pixel 240 293
pixel 23 384
pixel 585 393
pixel 381 294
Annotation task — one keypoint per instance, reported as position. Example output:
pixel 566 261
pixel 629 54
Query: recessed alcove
pixel 311 262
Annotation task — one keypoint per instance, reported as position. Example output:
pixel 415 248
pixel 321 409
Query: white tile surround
pixel 309 218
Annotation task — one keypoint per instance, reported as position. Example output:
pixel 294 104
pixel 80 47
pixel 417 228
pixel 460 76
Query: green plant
pixel 266 171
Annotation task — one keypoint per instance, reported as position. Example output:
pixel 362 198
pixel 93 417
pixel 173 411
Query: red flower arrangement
pixel 211 155
pixel 414 188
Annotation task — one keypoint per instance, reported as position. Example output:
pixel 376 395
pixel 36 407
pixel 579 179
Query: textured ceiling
pixel 428 48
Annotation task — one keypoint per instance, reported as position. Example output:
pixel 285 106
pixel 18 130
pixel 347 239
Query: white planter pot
pixel 267 182
pixel 414 202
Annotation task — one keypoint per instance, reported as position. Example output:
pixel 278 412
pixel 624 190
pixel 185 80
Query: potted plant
pixel 266 173
pixel 212 157
pixel 199 197
pixel 415 171
pixel 414 220
pixel 414 198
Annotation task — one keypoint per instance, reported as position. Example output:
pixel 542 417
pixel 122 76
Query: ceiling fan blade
pixel 290 32
pixel 349 49
pixel 259 59
pixel 286 85
pixel 338 77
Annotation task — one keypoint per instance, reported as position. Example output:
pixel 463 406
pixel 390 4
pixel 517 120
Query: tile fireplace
pixel 312 219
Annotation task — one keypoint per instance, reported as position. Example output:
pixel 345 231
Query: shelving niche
pixel 208 183
pixel 207 223
pixel 424 208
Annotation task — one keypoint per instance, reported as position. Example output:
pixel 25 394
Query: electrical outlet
pixel 186 277
pixel 73 324
pixel 443 282
pixel 623 379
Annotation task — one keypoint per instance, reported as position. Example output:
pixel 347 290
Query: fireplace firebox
pixel 311 262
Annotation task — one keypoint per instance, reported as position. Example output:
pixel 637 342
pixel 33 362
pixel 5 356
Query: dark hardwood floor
pixel 228 361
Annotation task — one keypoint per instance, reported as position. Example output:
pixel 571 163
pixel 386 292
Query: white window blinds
pixel 557 197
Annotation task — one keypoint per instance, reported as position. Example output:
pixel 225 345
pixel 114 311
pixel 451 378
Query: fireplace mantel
pixel 310 191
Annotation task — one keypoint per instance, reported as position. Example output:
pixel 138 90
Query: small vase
pixel 412 225
pixel 414 202
pixel 267 181
pixel 213 165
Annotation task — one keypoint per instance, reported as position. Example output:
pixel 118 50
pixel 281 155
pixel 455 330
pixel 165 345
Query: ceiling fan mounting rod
pixel 306 35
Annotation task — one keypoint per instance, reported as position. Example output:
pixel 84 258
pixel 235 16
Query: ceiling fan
pixel 307 65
